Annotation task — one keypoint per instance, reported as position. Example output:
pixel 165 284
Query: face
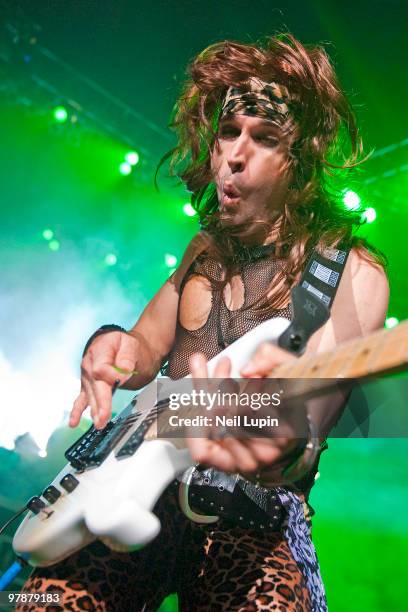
pixel 250 170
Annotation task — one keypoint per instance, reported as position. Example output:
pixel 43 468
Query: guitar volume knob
pixel 69 483
pixel 35 504
pixel 51 494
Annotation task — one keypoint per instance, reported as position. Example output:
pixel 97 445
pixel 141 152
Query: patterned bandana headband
pixel 257 98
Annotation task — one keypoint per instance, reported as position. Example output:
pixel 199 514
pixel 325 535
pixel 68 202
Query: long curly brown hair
pixel 327 146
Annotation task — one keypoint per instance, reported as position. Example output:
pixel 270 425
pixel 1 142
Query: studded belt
pixel 207 495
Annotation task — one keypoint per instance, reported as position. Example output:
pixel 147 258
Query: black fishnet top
pixel 224 326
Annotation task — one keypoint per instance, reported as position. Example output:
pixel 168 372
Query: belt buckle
pixel 184 486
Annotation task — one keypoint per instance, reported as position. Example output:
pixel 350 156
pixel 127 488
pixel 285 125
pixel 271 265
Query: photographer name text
pixel 223 421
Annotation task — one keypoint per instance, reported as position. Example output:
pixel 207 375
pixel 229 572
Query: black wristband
pixel 104 329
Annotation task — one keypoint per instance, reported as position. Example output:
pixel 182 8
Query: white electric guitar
pixel 115 476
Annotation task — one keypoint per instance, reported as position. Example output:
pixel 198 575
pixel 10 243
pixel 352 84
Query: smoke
pixel 50 303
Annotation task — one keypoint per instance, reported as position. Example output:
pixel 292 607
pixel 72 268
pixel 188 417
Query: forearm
pixel 148 363
pixel 325 411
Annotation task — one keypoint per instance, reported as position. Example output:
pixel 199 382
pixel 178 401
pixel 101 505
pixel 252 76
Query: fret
pixel 321 365
pixel 293 369
pixel 385 343
pixel 360 357
pixel 381 338
pixel 285 370
pixel 338 363
pixel 335 362
pixel 316 365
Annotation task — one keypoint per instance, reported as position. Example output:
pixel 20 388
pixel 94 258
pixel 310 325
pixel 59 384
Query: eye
pixel 268 139
pixel 228 132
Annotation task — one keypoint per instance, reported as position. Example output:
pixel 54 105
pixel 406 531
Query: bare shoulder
pixel 360 306
pixel 195 247
pixel 368 287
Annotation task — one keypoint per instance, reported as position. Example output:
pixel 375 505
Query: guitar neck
pixel 383 352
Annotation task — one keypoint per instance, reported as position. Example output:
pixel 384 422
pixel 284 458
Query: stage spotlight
pixel 391 322
pixel 170 260
pixel 369 215
pixel 125 168
pixel 48 234
pixel 111 259
pixel 60 114
pixel 189 210
pixel 351 199
pixel 132 158
pixel 54 245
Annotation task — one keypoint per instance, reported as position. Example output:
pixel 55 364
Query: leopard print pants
pixel 211 568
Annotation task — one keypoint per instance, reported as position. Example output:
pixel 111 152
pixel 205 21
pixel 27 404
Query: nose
pixel 236 156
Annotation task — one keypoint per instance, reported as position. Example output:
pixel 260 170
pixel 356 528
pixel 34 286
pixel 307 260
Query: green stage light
pixel 189 210
pixel 369 215
pixel 54 245
pixel 60 114
pixel 172 270
pixel 48 234
pixel 111 259
pixel 351 199
pixel 170 260
pixel 132 158
pixel 391 322
pixel 125 168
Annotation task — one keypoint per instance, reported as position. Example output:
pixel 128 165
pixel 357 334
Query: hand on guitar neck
pixel 246 455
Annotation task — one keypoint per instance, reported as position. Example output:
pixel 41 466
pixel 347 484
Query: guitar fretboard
pixel 382 352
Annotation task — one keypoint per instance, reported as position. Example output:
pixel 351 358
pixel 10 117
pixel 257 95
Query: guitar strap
pixel 323 273
pixel 313 297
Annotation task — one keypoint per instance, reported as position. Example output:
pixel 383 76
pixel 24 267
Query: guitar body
pixel 114 477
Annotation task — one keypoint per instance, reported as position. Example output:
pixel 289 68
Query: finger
pixel 211 453
pixel 266 451
pixel 242 454
pixel 198 365
pixel 103 399
pixel 80 405
pixel 111 364
pixel 266 357
pixel 199 374
pixel 86 385
pixel 86 382
pixel 223 368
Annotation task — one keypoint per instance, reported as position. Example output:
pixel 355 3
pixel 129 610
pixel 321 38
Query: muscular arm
pixel 359 308
pixel 360 305
pixel 156 327
pixel 110 357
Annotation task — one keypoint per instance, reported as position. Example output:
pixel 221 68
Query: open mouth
pixel 230 195
pixel 226 199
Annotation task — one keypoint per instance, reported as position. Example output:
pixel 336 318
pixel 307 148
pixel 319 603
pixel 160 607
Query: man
pixel 258 127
